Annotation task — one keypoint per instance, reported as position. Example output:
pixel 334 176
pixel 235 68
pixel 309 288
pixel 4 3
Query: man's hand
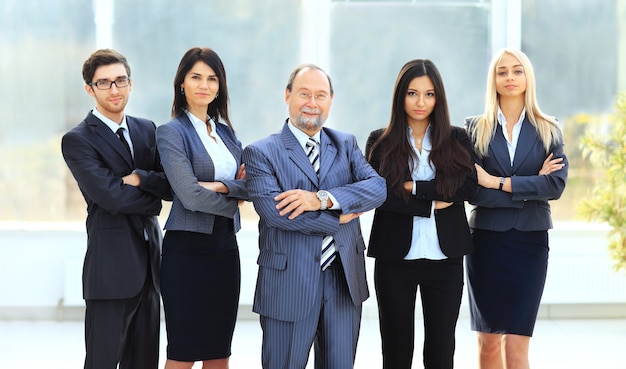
pixel 296 202
pixel 132 179
pixel 345 218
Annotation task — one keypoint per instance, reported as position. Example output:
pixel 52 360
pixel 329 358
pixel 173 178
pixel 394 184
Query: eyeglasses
pixel 307 96
pixel 105 84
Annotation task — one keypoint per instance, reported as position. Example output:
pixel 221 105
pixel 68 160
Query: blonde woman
pixel 521 166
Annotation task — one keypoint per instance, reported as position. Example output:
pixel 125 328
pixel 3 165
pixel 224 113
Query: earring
pixel 182 90
pixel 217 94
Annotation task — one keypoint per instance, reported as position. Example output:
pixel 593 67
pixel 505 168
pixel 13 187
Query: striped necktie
pixel 328 243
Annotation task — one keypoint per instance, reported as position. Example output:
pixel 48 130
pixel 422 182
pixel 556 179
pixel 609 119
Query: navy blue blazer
pixel 290 250
pixel 392 226
pixel 186 162
pixel 116 261
pixel 527 207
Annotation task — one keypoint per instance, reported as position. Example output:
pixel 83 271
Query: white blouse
pixel 511 142
pixel 223 160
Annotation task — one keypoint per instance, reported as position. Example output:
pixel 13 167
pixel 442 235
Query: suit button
pixel 317 259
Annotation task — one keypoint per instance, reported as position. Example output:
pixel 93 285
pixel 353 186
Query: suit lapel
pixel 525 143
pixel 137 139
pixel 230 144
pixel 103 131
pixel 296 154
pixel 501 151
pixel 328 153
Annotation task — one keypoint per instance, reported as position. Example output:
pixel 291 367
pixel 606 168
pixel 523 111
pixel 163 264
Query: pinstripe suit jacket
pixel 186 161
pixel 527 207
pixel 290 250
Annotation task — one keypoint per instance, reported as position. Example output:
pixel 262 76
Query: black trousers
pixel 440 284
pixel 124 331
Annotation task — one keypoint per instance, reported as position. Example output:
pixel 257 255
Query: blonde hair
pixel 485 125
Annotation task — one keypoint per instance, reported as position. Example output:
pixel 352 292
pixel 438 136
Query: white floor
pixel 558 344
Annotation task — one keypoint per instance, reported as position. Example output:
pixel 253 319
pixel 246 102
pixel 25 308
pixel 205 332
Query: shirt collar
pixel 114 126
pixel 300 135
pixel 199 124
pixel 425 140
pixel 502 119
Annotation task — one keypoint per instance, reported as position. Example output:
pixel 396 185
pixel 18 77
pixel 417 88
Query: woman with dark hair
pixel 420 234
pixel 200 273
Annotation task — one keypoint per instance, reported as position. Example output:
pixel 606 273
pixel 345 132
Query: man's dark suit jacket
pixel 116 262
pixel 397 215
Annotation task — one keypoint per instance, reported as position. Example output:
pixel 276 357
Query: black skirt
pixel 200 284
pixel 506 275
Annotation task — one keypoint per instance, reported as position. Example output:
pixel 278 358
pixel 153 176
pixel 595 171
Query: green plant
pixel 605 147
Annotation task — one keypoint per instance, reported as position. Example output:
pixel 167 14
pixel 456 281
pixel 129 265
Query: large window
pixel 573 44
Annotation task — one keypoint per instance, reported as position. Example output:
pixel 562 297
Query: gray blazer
pixel 290 250
pixel 186 161
pixel 527 207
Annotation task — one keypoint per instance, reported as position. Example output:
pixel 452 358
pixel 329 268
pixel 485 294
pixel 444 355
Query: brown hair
pixel 102 57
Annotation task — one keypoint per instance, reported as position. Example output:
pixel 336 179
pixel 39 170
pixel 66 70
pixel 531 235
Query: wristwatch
pixel 323 196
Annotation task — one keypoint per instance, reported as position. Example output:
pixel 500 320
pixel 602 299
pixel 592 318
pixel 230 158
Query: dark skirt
pixel 200 283
pixel 506 275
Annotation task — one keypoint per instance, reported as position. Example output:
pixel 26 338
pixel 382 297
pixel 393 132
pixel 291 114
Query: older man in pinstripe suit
pixel 307 196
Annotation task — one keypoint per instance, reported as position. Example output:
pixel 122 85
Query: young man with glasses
pixel 114 160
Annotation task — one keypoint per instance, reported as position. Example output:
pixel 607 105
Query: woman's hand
pixel 551 165
pixel 442 204
pixel 408 186
pixel 241 173
pixel 218 187
pixel 485 179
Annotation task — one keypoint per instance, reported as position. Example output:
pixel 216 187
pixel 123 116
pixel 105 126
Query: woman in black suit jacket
pixel 420 234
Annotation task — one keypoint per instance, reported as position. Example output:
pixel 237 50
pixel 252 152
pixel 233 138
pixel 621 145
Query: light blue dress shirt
pixel 424 241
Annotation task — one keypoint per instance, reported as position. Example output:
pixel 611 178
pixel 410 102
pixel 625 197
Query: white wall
pixel 40 271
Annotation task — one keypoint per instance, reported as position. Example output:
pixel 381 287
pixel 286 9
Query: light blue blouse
pixel 424 241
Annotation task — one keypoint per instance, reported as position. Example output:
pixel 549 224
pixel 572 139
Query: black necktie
pixel 120 133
